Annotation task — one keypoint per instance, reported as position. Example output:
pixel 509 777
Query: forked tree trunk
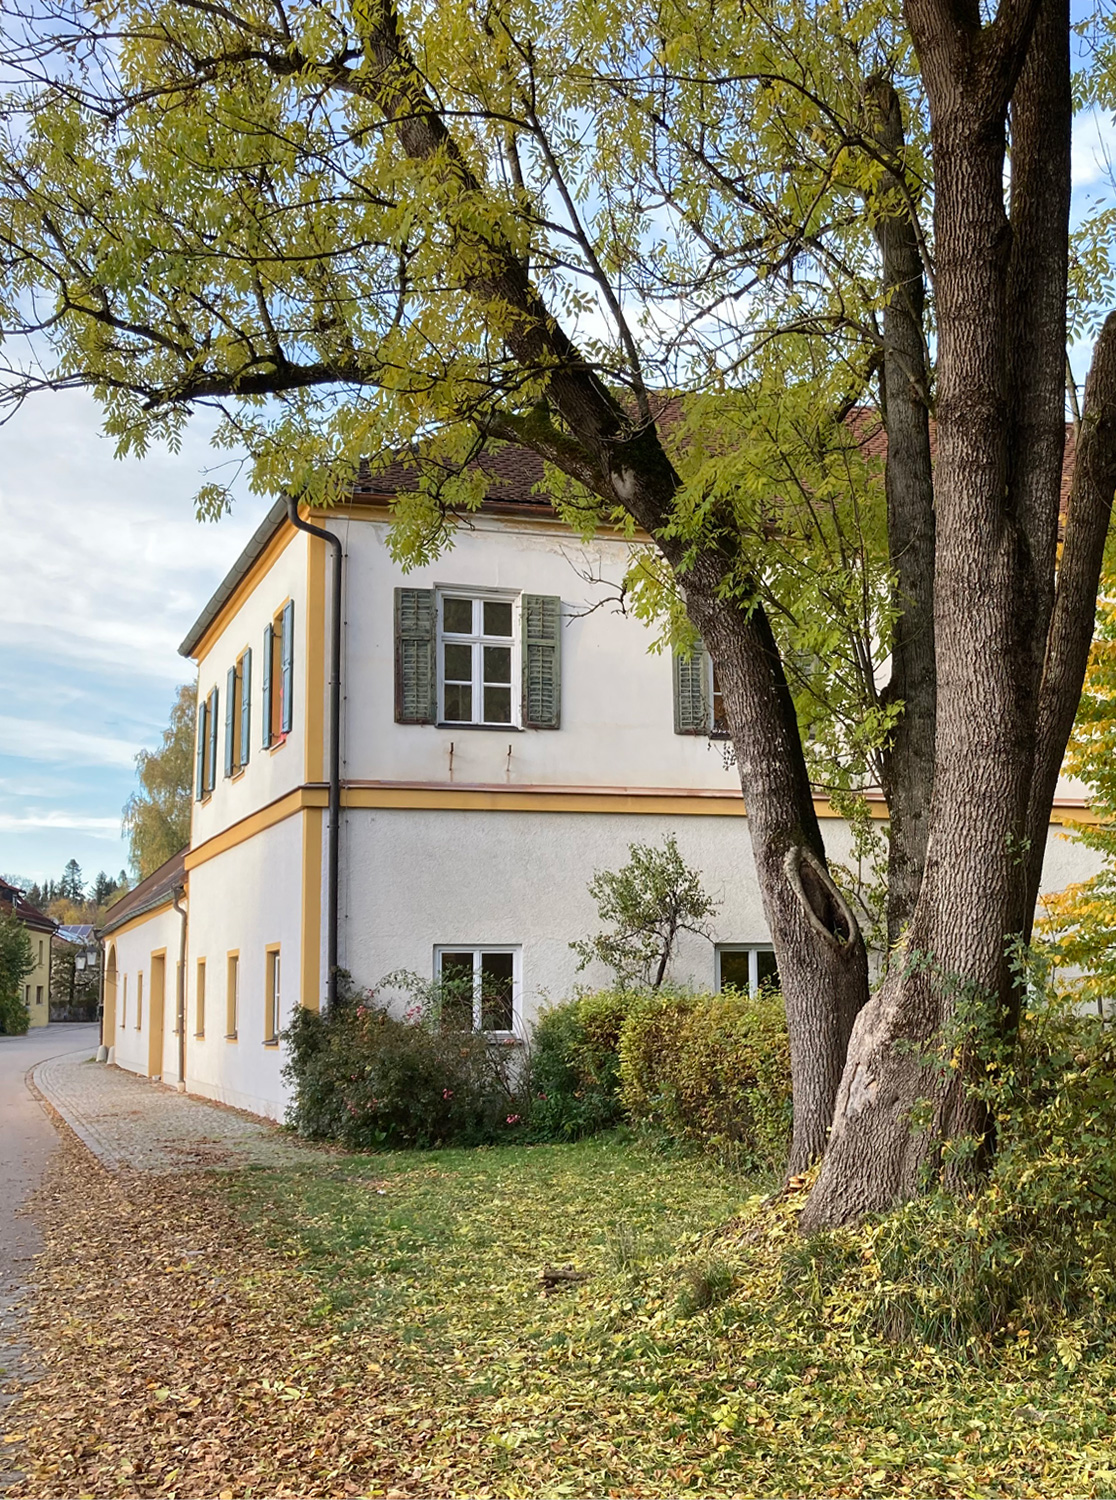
pixel 904 1097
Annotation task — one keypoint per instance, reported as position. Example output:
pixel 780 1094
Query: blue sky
pixel 102 570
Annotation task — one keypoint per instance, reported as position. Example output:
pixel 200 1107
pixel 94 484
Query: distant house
pixel 41 929
pixel 501 737
pixel 75 986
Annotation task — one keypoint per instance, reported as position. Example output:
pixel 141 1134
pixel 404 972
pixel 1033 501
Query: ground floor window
pixel 271 993
pixel 232 995
pixel 746 967
pixel 199 999
pixel 479 987
pixel 139 1001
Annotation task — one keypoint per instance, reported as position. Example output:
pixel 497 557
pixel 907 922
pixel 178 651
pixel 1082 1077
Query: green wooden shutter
pixel 200 776
pixel 691 708
pixel 211 741
pixel 268 648
pixel 542 661
pixel 287 657
pixel 230 721
pixel 245 705
pixel 416 667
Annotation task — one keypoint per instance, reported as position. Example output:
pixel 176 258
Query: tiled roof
pixel 515 474
pixel 12 900
pixel 156 890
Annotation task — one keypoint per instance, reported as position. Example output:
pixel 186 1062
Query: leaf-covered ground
pixel 376 1326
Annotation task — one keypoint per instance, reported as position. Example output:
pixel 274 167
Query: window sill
pixel 503 1039
pixel 278 742
pixel 500 728
pixel 231 1036
pixel 271 1041
pixel 199 1036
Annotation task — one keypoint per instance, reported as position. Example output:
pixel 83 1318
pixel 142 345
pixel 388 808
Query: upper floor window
pixel 477 653
pixel 238 714
pixel 206 772
pixel 698 701
pixel 465 657
pixel 278 677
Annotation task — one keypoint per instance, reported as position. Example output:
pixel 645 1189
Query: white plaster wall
pixel 134 947
pixel 269 773
pixel 415 879
pixel 245 899
pixel 617 697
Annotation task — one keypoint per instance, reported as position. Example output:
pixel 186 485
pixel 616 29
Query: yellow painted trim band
pixel 399 795
pixel 311 989
pixel 314 711
pixel 244 586
pixel 237 833
pixel 143 916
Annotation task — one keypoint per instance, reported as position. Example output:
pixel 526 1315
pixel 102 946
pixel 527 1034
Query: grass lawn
pixel 687 1362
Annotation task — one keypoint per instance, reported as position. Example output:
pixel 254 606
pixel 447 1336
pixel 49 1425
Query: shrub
pixel 711 1069
pixel 1028 1257
pixel 575 1066
pixel 15 963
pixel 369 1080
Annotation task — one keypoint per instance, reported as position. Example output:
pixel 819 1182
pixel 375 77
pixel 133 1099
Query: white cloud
pixel 36 739
pixel 1094 148
pixel 98 827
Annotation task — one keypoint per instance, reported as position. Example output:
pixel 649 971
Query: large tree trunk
pixel 908 759
pixel 823 965
pixel 904 1094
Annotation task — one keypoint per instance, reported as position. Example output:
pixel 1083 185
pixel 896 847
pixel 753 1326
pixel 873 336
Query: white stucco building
pixel 504 733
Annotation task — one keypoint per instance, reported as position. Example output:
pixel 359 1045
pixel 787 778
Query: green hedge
pixel 575 1066
pixel 711 1069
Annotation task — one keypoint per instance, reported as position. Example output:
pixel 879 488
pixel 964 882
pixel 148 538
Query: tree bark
pixel 904 1098
pixel 908 758
pixel 1072 618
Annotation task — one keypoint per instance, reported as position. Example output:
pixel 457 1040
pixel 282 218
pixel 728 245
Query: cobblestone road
pixel 129 1121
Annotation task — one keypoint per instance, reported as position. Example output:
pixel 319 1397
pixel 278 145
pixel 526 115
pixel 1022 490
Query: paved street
pixel 27 1139
pixel 127 1122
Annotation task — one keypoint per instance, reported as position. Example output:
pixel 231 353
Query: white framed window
pixel 480 988
pixel 478 659
pixel 746 966
pixel 272 1004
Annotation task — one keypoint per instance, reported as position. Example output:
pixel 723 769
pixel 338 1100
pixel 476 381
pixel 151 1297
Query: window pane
pixel 734 969
pixel 456 975
pixel 497 618
pixel 459 703
pixel 497 705
pixel 768 972
pixel 496 991
pixel 497 663
pixel 457 616
pixel 458 663
pixel 719 725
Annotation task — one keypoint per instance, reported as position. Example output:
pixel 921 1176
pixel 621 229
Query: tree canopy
pixel 157 815
pixel 370 228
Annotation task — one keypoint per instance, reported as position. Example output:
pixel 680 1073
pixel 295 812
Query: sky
pixel 103 568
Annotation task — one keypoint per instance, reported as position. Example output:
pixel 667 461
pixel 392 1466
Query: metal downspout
pixel 180 992
pixel 334 823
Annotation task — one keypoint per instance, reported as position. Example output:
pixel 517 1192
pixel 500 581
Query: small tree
pixel 15 962
pixel 653 898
